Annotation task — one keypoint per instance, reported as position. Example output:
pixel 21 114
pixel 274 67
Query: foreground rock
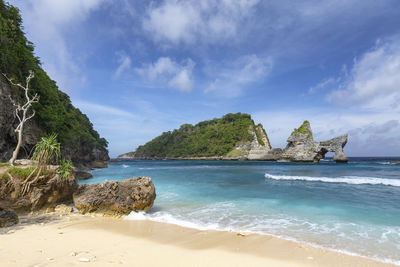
pixel 7 218
pixel 301 146
pixel 116 198
pixel 45 195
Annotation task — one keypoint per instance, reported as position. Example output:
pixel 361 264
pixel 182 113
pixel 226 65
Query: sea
pixel 352 208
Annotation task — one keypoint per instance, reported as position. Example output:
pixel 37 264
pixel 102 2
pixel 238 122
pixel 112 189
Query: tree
pixel 21 111
pixel 47 151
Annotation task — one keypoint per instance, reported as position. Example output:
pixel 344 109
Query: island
pixel 237 137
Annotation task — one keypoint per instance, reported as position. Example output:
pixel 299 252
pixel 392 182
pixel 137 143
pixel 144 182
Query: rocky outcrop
pixel 7 218
pixel 129 155
pixel 82 175
pixel 257 149
pixel 116 198
pixel 48 194
pixel 301 146
pixel 273 155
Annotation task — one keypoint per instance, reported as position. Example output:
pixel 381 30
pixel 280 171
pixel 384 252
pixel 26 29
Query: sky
pixel 140 68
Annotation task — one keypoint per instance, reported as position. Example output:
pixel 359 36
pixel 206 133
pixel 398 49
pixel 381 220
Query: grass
pixel 20 173
pixel 2 164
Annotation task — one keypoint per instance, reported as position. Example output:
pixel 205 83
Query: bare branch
pixel 22 111
pixel 31 116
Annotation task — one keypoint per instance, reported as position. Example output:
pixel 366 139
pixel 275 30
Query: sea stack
pixel 301 146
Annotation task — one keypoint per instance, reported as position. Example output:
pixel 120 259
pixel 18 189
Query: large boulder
pixel 47 194
pixel 301 146
pixel 116 198
pixel 7 218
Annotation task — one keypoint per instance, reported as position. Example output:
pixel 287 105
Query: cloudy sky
pixel 138 68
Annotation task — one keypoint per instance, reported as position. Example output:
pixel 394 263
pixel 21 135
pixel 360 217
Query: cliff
pixel 234 136
pixel 54 112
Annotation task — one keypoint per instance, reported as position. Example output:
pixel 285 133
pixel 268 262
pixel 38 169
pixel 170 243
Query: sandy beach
pixel 76 240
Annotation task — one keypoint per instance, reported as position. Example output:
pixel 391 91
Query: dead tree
pixel 21 111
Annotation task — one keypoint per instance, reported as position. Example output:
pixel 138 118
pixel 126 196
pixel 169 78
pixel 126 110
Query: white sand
pixel 75 240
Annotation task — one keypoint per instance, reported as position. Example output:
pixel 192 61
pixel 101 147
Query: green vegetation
pixel 65 169
pixel 215 137
pixel 47 150
pixel 54 112
pixel 20 173
pixel 4 164
pixel 305 128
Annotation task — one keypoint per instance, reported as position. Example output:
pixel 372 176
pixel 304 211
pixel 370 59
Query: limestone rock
pixel 117 198
pixel 82 175
pixel 41 196
pixel 129 155
pixel 301 146
pixel 273 155
pixel 7 218
pixel 98 164
pixel 63 209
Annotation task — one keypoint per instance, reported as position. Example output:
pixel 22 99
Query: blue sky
pixel 139 68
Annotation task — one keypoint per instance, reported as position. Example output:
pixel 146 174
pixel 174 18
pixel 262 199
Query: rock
pixel 273 154
pixel 116 198
pixel 394 162
pixel 129 155
pixel 41 196
pixel 113 160
pixel 63 209
pixel 98 164
pixel 82 175
pixel 301 146
pixel 257 149
pixel 7 218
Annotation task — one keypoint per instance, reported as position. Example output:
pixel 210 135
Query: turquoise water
pixel 353 208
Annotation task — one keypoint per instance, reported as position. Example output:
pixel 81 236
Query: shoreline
pixel 59 240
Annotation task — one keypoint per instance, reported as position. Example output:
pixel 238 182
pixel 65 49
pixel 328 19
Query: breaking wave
pixel 345 179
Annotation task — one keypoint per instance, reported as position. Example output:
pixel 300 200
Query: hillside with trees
pixel 211 138
pixel 54 112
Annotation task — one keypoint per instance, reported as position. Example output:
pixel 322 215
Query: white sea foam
pixel 345 179
pixel 125 166
pixel 168 218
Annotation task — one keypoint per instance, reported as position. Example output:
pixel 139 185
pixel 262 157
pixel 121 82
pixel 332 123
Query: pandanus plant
pixel 47 151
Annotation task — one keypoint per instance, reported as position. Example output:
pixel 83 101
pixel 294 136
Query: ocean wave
pixel 345 179
pixel 125 166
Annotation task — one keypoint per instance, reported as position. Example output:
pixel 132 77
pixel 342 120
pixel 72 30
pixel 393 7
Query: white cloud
pixel 45 22
pixel 323 85
pixel 165 70
pixel 232 78
pixel 191 21
pixel 124 62
pixel 374 80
